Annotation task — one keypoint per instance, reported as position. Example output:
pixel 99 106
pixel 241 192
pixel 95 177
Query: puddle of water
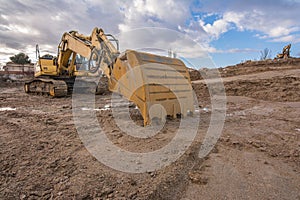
pixel 106 107
pixel 96 109
pixel 38 112
pixel 7 108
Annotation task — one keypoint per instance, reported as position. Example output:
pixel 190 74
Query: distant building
pixel 15 71
pixel 12 68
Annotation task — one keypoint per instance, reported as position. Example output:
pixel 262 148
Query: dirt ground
pixel 256 157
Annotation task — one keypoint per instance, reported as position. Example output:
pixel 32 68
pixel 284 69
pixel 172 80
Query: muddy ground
pixel 256 157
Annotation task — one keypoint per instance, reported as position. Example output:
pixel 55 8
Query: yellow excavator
pixel 285 52
pixel 143 78
pixel 55 76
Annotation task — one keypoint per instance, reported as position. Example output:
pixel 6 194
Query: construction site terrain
pixel 256 157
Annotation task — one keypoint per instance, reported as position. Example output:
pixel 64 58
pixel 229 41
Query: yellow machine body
pixel 159 86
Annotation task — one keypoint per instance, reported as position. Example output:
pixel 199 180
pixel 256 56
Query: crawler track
pixel 55 88
pixel 64 87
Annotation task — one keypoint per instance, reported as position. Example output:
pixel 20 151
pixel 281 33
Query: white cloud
pixel 279 31
pixel 272 20
pixel 145 13
pixel 235 18
pixel 288 38
pixel 254 21
pixel 26 23
pixel 217 28
pixel 161 39
pixel 31 23
pixel 21 29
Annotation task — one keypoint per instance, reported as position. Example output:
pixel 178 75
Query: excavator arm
pixel 95 48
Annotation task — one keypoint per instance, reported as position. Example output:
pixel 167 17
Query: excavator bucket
pixel 159 86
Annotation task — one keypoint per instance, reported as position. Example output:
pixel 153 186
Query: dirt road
pixel 256 157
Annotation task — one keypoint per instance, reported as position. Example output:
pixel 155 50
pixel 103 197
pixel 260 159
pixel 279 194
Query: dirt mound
pixel 195 75
pixel 7 82
pixel 248 67
pixel 275 89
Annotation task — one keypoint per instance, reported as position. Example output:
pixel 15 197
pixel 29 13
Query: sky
pixel 203 33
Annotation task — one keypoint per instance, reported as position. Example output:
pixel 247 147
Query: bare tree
pixel 265 54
